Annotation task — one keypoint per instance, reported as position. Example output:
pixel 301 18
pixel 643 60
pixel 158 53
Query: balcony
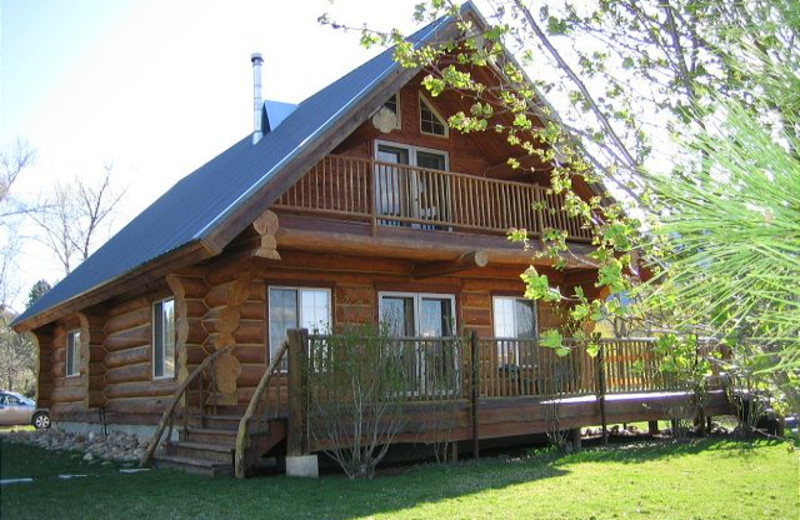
pixel 401 196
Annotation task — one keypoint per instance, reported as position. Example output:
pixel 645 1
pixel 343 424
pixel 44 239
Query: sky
pixel 156 88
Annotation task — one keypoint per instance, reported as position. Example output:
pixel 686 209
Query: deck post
pixel 474 393
pixel 601 387
pixel 299 461
pixel 296 438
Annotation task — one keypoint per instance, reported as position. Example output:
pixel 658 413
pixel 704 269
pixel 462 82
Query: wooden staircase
pixel 227 441
pixel 208 449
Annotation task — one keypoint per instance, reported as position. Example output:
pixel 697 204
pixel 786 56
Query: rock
pixel 88 457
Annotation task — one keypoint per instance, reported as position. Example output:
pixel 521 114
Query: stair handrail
pixel 166 417
pixel 242 436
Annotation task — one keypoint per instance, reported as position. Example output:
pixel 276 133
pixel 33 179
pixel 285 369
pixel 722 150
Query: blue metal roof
pixel 201 201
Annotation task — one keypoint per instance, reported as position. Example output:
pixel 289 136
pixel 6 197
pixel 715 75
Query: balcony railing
pixel 397 195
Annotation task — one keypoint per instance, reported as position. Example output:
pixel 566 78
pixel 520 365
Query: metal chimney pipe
pixel 258 132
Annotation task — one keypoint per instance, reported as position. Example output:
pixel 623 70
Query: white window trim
pixel 153 341
pixel 437 114
pixel 418 296
pixel 412 152
pixel 297 288
pixel 76 353
pixel 517 298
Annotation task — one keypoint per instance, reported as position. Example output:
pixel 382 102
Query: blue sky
pixel 157 88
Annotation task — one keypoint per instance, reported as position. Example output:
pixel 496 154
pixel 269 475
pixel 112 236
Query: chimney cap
pixel 256 57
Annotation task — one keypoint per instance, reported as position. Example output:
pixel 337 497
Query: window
pixel 293 308
pixel 416 195
pixel 416 314
pixel 393 104
pixel 516 331
pixel 164 339
pixel 515 318
pixel 430 122
pixel 73 353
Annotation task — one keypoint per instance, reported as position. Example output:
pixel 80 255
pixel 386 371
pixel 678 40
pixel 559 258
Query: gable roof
pixel 195 208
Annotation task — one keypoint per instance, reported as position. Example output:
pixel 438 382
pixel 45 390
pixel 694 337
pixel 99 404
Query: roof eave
pixel 137 278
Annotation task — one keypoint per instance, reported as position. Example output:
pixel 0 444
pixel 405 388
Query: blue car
pixel 16 409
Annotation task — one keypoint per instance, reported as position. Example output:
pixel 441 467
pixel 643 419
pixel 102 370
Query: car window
pixel 27 400
pixel 11 400
pixel 3 399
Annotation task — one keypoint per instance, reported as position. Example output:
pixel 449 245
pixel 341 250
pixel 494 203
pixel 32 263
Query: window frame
pixel 164 375
pixel 297 288
pixel 417 297
pixel 398 125
pixel 442 120
pixel 412 152
pixel 535 305
pixel 73 354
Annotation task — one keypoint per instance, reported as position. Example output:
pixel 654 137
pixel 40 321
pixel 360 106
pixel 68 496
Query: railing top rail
pixel 454 174
pixel 242 434
pixel 393 338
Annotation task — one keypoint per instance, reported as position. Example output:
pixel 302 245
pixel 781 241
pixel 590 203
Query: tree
pixel 623 75
pixel 356 385
pixel 74 215
pixel 18 351
pixel 38 290
pixel 14 159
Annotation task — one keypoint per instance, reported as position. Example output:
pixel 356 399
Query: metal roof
pixel 201 201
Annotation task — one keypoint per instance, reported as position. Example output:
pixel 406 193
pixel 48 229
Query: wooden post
pixel 475 393
pixel 601 383
pixel 652 427
pixel 296 438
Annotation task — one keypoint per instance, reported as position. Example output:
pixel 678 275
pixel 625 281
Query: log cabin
pixel 356 204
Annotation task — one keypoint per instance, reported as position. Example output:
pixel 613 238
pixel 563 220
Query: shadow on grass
pixel 644 451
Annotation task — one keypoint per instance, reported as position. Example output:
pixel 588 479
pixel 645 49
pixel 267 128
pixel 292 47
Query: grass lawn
pixel 710 479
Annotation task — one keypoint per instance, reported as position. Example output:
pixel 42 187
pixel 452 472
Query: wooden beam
pixel 468 260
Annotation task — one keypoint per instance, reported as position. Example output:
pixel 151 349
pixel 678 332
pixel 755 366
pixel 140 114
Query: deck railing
pixel 440 368
pixel 397 195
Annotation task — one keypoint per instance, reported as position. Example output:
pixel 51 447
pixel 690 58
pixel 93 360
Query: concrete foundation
pixel 139 430
pixel 303 466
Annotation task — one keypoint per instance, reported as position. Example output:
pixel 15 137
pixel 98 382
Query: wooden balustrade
pixel 256 419
pixel 441 368
pixel 631 366
pixel 398 195
pixel 414 368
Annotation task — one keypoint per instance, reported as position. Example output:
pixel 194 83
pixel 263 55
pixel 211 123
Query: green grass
pixel 710 479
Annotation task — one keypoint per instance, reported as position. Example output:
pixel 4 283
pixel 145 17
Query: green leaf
pixel 552 338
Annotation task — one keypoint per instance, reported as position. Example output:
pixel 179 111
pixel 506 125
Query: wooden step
pixel 221 422
pixel 209 436
pixel 189 465
pixel 202 451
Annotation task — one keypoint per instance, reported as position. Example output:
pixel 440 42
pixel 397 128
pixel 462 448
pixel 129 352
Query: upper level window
pixel 164 339
pixel 297 307
pixel 393 104
pixel 73 353
pixel 430 122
